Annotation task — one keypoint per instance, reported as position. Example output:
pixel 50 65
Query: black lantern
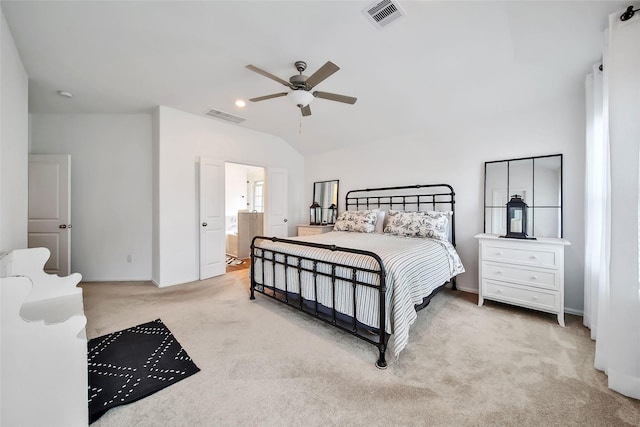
pixel 315 214
pixel 332 212
pixel 517 218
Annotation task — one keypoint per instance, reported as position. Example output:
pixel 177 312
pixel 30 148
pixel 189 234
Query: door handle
pixel 204 224
pixel 285 220
pixel 63 226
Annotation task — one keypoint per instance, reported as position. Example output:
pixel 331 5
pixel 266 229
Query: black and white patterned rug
pixel 128 365
pixel 234 261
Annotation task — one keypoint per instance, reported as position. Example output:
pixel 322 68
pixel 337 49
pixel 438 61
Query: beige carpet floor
pixel 264 364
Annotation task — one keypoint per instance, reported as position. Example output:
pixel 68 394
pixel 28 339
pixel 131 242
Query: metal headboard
pixel 435 197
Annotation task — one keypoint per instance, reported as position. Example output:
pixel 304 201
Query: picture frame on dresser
pixel 538 181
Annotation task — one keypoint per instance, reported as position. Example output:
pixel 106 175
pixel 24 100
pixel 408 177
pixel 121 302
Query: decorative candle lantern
pixel 332 214
pixel 315 214
pixel 516 218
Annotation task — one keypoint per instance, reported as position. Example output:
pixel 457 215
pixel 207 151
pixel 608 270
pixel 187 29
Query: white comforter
pixel 414 267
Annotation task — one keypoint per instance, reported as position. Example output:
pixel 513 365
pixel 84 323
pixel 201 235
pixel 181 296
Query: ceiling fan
pixel 301 86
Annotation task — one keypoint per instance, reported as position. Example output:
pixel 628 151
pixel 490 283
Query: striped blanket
pixel 414 267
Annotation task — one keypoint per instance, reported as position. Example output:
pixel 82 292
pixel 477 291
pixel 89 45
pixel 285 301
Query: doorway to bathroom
pixel 244 211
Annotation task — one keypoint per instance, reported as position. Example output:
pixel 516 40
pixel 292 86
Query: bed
pixel 390 252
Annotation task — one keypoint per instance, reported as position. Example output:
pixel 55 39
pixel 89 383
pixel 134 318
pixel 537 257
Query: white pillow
pixel 358 221
pixel 380 221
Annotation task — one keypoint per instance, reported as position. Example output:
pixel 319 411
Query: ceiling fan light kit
pixel 301 85
pixel 300 98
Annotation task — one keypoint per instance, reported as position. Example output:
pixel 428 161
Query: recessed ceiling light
pixel 65 94
pixel 240 103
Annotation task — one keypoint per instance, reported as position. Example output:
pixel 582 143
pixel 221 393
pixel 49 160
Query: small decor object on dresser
pixel 517 218
pixel 526 273
pixel 332 214
pixel 315 214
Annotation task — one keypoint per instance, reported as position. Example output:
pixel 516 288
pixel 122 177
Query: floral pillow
pixel 359 221
pixel 418 224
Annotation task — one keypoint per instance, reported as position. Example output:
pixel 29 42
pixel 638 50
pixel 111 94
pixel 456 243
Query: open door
pixel 276 203
pixel 49 223
pixel 212 236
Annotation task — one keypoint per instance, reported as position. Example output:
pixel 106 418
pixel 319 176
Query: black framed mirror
pixel 325 193
pixel 538 181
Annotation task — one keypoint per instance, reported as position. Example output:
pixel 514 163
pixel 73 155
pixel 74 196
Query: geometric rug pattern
pixel 134 363
pixel 233 260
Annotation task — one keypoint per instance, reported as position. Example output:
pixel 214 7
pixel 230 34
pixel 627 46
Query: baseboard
pixel 574 311
pixel 470 290
pixel 91 280
pixel 567 310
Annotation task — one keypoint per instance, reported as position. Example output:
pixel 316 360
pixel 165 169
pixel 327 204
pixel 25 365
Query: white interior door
pixel 212 235
pixel 276 202
pixel 49 223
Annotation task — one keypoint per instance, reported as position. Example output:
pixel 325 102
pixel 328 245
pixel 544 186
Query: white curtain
pixel 612 207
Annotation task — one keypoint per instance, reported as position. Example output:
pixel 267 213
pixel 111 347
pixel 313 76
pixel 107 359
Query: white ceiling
pixel 442 63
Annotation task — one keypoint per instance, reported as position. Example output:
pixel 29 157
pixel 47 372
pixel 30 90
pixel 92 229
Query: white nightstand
pixel 526 273
pixel 307 230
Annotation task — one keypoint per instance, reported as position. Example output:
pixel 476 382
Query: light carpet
pixel 264 364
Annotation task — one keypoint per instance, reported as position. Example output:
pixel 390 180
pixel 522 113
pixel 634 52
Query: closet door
pixel 49 224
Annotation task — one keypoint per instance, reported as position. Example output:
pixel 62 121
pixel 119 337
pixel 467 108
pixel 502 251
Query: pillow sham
pixel 418 224
pixel 358 221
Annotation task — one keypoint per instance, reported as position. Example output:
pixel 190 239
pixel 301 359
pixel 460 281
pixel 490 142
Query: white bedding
pixel 414 267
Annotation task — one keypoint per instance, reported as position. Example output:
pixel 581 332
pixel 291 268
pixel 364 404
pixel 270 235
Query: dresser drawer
pixel 529 276
pixel 522 255
pixel 525 297
pixel 308 230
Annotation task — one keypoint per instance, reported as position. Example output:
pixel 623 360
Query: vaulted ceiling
pixel 441 63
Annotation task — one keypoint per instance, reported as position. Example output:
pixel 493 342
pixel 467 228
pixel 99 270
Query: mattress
pixel 415 267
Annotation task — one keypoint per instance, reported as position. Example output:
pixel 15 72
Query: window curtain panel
pixel 612 211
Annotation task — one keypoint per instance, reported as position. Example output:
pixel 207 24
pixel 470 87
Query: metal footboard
pixel 338 274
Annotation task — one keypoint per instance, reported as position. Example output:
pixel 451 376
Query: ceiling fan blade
pixel 262 98
pixel 306 110
pixel 335 97
pixel 325 71
pixel 268 74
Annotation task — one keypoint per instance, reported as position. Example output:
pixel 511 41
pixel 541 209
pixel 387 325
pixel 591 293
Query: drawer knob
pixel 535 298
pixel 534 278
pixel 499 291
pixel 534 257
pixel 499 272
pixel 499 253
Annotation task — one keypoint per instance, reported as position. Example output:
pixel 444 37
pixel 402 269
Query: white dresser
pixel 307 230
pixel 526 273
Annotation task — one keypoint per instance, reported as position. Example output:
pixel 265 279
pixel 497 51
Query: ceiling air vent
pixel 217 114
pixel 383 13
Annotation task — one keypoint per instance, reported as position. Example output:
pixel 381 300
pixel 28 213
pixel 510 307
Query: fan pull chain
pixel 300 128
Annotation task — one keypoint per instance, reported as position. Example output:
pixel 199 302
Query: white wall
pixel 239 182
pixel 111 190
pixel 455 154
pixel 14 140
pixel 182 139
pixel 235 188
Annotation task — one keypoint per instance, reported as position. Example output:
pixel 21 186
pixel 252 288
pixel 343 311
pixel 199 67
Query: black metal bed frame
pixel 431 195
